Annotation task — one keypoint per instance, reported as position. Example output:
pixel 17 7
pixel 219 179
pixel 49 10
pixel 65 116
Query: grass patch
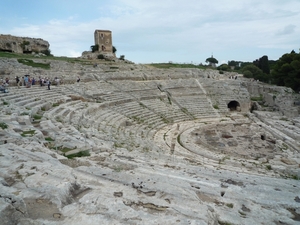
pixel 37 117
pixel 257 98
pixel 5 103
pixel 3 125
pixel 30 62
pixel 65 149
pixel 137 119
pixel 55 104
pixel 119 145
pixel 117 169
pixel 216 106
pixel 48 139
pixel 295 177
pixel 28 133
pixel 79 154
pixel 51 57
pixel 223 223
pixel 229 205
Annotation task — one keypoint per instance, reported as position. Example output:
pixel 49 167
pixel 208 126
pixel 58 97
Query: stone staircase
pixel 127 113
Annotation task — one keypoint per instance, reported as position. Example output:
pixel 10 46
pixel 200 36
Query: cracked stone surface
pixel 149 155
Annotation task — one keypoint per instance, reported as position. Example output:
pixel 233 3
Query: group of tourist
pixel 233 77
pixel 27 81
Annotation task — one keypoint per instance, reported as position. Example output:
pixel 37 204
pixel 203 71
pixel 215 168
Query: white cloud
pixel 289 29
pixel 176 31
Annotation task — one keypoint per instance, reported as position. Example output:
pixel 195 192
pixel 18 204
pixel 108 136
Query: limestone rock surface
pixel 132 144
pixel 22 44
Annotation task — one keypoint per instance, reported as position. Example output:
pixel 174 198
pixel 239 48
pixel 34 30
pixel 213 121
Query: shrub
pixel 95 48
pixel 248 74
pixel 47 52
pixel 24 44
pixel 114 49
pixel 3 125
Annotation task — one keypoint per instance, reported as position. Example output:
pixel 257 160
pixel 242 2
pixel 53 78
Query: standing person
pixel 28 85
pixel 78 79
pixel 7 81
pixel 17 80
pixel 48 84
pixel 26 80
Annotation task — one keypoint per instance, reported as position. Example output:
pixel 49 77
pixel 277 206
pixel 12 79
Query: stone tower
pixel 103 38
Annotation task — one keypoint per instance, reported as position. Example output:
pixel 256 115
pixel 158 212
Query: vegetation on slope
pixel 176 65
pixel 27 59
pixel 286 71
pixel 30 62
pixel 282 72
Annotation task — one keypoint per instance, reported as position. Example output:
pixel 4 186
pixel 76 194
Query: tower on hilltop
pixel 103 39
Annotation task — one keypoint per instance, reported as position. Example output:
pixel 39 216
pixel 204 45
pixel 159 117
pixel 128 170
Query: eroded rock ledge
pixel 16 44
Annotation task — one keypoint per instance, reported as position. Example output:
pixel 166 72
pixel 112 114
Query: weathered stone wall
pixel 280 98
pixel 103 38
pixel 15 44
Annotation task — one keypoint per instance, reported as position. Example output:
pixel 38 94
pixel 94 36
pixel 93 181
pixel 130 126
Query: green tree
pixel 95 48
pixel 224 67
pixel 286 71
pixel 252 71
pixel 263 64
pixel 114 49
pixel 235 64
pixel 212 60
pixel 248 74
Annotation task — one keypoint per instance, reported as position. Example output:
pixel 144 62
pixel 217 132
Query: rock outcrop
pixel 15 44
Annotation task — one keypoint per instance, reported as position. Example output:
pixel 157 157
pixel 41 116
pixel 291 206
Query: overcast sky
pixel 148 31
